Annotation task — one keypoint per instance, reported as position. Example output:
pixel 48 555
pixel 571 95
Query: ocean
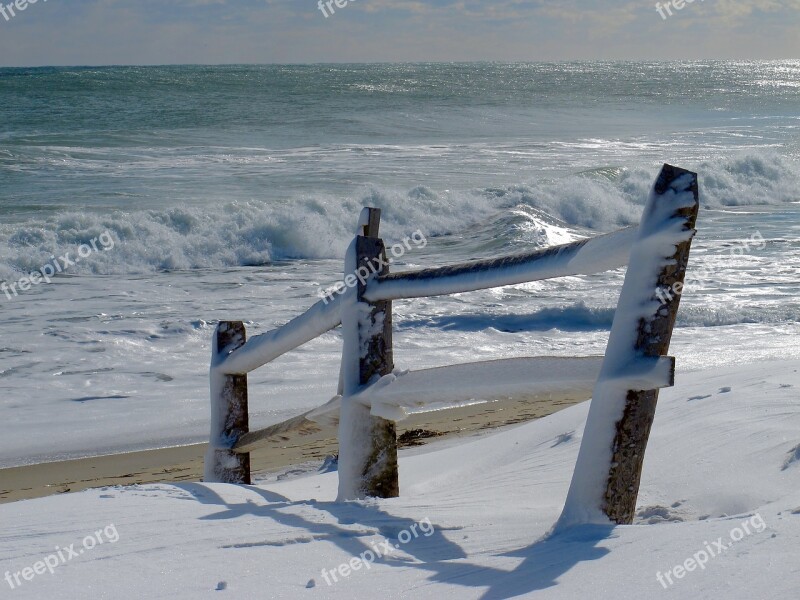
pixel 232 192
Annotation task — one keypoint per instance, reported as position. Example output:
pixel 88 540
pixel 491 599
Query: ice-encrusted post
pixel 367 444
pixel 605 484
pixel 229 412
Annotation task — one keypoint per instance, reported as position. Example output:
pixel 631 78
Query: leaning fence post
pixel 653 336
pixel 605 484
pixel 368 444
pixel 229 412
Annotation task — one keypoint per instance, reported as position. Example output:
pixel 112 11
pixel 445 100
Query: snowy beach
pixel 291 453
pixel 490 503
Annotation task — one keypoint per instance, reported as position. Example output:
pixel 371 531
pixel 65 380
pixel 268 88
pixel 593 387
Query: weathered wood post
pixel 367 444
pixel 381 477
pixel 229 412
pixel 653 335
pixel 605 485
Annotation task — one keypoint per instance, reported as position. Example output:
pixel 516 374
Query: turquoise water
pixel 157 137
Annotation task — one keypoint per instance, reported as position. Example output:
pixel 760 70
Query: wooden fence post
pixel 653 337
pixel 230 417
pixel 605 484
pixel 381 477
pixel 376 465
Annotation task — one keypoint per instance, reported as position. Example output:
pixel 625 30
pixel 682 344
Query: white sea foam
pixel 233 234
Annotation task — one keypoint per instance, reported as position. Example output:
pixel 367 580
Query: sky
pixel 103 32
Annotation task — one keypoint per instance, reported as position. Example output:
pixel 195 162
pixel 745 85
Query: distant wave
pixel 720 315
pixel 574 317
pixel 581 317
pixel 608 197
pixel 496 219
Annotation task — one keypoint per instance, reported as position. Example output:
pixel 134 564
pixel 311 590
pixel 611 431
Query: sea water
pixel 232 192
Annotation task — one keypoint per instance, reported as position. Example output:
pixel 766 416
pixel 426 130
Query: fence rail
pixel 584 257
pixel 606 479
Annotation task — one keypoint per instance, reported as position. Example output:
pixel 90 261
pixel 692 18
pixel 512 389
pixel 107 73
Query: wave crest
pixel 545 212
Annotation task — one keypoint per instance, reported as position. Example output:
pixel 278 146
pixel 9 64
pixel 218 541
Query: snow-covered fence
pixel 367 442
pixel 372 395
pixel 605 484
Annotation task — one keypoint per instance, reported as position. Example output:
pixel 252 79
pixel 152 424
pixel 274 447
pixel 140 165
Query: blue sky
pixel 95 32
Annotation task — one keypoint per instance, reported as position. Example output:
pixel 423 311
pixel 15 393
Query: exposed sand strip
pixel 185 463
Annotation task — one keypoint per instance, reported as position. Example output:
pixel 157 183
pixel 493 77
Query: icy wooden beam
pixel 229 412
pixel 300 425
pixel 605 484
pixel 262 349
pixel 367 444
pixel 398 396
pixel 584 257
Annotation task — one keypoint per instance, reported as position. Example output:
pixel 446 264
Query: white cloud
pixel 218 31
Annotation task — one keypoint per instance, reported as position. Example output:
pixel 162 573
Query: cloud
pixel 733 10
pixel 262 31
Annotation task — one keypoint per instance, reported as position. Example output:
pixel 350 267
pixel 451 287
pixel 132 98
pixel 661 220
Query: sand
pixel 185 463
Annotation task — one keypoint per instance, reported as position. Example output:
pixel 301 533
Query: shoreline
pixel 185 463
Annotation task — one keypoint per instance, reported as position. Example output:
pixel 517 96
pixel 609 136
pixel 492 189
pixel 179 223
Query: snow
pixel 403 393
pixel 262 349
pixel 589 256
pixel 354 424
pixel 659 234
pixel 716 461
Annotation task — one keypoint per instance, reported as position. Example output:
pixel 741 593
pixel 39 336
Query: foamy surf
pixel 252 233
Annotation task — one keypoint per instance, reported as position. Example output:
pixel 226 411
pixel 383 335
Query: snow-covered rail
pixel 584 257
pixel 372 395
pixel 264 348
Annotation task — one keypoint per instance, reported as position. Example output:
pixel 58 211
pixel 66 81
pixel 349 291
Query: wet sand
pixel 185 463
